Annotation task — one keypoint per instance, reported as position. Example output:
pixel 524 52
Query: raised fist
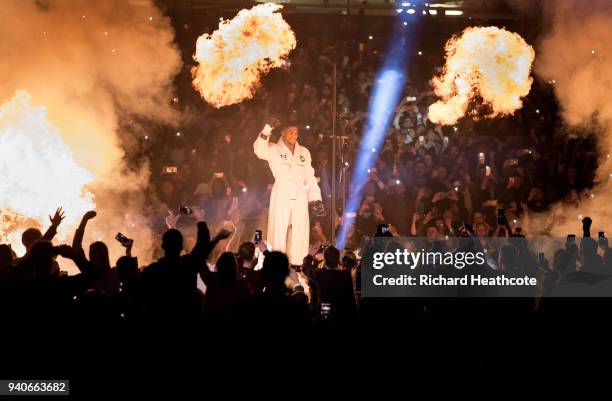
pixel 273 122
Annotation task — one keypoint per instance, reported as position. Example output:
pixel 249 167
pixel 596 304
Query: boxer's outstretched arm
pixel 261 144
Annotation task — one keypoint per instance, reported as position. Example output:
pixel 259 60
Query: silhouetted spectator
pixel 169 286
pixel 224 289
pixel 273 307
pixel 335 287
pixel 246 257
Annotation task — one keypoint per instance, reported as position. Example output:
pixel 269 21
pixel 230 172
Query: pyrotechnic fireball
pixel 233 59
pixel 487 64
pixel 39 172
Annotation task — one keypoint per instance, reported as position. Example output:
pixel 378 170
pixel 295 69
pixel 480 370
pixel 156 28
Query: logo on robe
pixel 302 159
pixel 284 156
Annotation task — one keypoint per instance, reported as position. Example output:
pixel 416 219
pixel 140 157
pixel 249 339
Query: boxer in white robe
pixel 295 187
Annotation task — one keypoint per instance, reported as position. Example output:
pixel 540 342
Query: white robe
pixel 294 186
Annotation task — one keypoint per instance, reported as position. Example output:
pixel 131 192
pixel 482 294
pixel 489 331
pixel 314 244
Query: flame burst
pixel 39 172
pixel 232 59
pixel 486 63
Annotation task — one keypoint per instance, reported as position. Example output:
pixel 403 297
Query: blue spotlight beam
pixel 386 92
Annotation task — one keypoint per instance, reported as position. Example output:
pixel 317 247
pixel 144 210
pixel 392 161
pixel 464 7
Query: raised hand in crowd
pixel 57 218
pixel 77 242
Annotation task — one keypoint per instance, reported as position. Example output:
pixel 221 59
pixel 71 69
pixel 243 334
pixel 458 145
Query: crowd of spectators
pixel 476 179
pixel 427 179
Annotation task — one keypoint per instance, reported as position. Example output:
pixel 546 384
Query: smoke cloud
pixel 88 63
pixel 577 53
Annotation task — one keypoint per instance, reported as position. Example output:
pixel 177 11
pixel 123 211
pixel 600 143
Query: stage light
pixel 244 189
pixel 405 4
pixel 433 12
pixel 410 11
pixel 399 10
pixel 405 23
pixel 178 134
pixel 146 137
pixel 538 111
pixel 308 127
pixel 420 53
pixel 385 95
pixel 453 12
pixel 370 37
pixel 397 182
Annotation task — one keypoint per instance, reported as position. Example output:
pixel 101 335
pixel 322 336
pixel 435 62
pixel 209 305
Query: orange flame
pixel 39 172
pixel 484 62
pixel 232 59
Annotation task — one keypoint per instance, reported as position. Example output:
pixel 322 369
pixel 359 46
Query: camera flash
pixel 370 37
pixel 397 182
pixel 308 127
pixel 178 134
pixel 369 171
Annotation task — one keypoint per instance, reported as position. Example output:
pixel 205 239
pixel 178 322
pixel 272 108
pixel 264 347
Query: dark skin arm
pixel 56 220
pixel 204 247
pixel 88 272
pixel 77 242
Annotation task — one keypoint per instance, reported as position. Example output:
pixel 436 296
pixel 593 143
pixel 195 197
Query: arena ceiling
pixel 481 9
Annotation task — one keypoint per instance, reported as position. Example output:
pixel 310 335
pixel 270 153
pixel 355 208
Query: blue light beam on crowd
pixel 386 92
